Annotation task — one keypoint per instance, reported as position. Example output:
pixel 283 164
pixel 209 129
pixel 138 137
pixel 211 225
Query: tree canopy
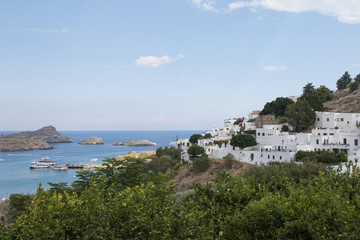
pixel 277 107
pixel 300 114
pixel 316 96
pixel 344 81
pixel 243 141
pixel 195 137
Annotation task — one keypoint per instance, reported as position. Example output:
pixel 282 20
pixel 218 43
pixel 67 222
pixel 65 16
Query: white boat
pixel 60 167
pixel 93 160
pixel 2 160
pixel 43 163
pixel 38 165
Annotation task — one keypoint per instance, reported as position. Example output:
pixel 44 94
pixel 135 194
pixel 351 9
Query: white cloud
pixel 345 11
pixel 206 5
pixel 63 31
pixel 275 68
pixel 154 62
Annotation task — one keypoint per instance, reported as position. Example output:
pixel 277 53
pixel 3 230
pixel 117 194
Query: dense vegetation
pixel 278 201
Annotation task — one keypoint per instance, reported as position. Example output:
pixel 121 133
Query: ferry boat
pixel 44 162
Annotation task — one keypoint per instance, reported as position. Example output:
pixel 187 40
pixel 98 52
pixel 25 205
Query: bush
pixel 201 164
pixel 195 150
pixel 243 141
pixel 229 161
pixel 220 142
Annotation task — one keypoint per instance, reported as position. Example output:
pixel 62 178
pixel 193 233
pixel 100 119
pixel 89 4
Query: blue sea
pixel 17 177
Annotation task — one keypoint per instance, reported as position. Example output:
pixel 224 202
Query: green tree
pixel 301 115
pixel 194 138
pixel 354 86
pixel 243 141
pixel 357 78
pixel 201 164
pixel 208 135
pixel 195 150
pixel 344 81
pixel 277 107
pixel 316 97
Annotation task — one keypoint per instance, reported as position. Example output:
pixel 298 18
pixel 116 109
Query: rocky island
pixel 12 145
pixel 92 141
pixel 135 143
pixel 47 134
pixel 32 140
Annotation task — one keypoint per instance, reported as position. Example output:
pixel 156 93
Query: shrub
pixel 229 161
pixel 195 150
pixel 201 164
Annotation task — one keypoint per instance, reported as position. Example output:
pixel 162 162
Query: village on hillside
pixel 333 132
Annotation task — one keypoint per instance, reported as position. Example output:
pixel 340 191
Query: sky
pixel 166 65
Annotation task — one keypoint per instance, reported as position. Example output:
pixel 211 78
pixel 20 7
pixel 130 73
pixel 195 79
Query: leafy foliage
pixel 201 164
pixel 301 115
pixel 354 86
pixel 277 107
pixel 320 156
pixel 316 97
pixel 229 161
pixel 344 81
pixel 278 201
pixel 243 141
pixel 195 150
pixel 195 137
pixel 221 142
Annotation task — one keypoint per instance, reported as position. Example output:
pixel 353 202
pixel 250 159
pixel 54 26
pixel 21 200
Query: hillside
pixel 344 102
pixel 185 178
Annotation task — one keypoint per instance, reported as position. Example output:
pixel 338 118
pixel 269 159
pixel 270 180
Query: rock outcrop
pixel 13 144
pixel 135 143
pixel 92 141
pixel 344 101
pixel 47 134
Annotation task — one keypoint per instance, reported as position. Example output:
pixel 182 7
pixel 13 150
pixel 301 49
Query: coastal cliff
pixel 13 144
pixel 47 134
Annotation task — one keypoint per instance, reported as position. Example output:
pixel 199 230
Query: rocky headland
pixel 47 134
pixel 13 144
pixel 135 143
pixel 92 141
pixel 32 140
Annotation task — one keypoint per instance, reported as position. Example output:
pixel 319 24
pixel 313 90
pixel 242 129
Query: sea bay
pixel 17 177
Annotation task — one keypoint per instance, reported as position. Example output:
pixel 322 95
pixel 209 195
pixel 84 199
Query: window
pixel 318 119
pixel 263 134
pixel 273 157
pixel 268 156
pixel 317 141
pixel 342 119
pixel 356 142
pixel 280 157
pixel 344 141
pixel 327 119
pixel 258 134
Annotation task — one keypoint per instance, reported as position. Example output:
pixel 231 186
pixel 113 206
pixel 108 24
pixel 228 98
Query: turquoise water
pixel 17 177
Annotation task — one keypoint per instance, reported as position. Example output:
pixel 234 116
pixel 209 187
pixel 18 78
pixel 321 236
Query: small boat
pixel 93 160
pixel 60 167
pixel 2 160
